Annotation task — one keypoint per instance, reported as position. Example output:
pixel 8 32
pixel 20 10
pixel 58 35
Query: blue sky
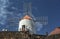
pixel 50 8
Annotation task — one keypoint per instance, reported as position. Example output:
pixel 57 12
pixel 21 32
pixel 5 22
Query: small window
pixel 23 26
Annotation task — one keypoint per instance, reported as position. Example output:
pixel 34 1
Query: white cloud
pixel 38 26
pixel 3 12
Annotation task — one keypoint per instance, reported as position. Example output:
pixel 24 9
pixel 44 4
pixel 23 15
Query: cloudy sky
pixel 13 9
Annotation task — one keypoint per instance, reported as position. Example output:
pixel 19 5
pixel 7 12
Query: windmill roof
pixel 27 17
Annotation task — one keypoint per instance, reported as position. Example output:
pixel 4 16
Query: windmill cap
pixel 27 17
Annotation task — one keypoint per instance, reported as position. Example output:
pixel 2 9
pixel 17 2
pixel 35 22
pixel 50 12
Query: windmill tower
pixel 26 20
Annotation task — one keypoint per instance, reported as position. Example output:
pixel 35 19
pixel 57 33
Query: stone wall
pixel 25 35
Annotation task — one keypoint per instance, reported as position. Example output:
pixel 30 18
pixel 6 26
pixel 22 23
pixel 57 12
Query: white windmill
pixel 28 20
